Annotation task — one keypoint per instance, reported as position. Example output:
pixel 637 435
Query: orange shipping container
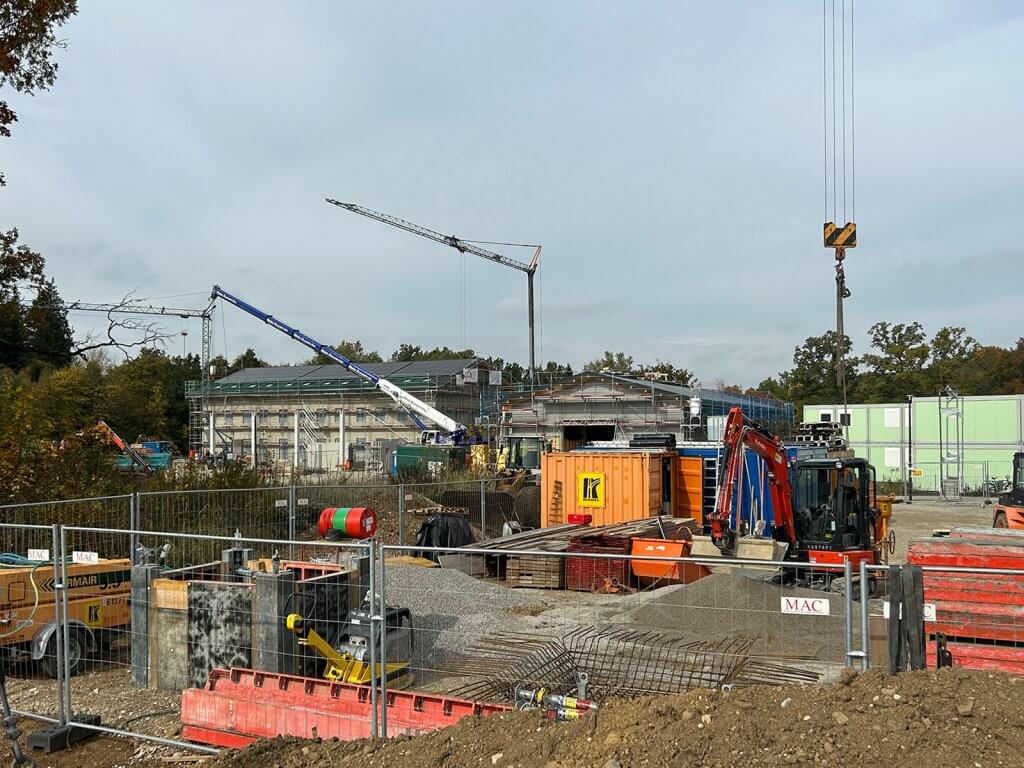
pixel 618 486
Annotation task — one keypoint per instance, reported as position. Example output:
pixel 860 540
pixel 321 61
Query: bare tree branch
pixel 140 333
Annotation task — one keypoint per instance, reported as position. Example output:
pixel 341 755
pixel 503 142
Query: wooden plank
pixel 167 593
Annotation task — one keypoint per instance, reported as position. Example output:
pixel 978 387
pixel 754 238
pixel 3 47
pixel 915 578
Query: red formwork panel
pixel 989 621
pixel 966 553
pixel 1010 536
pixel 985 657
pixel 966 588
pixel 239 706
pixel 584 574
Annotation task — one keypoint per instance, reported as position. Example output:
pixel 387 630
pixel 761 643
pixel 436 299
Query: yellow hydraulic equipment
pixel 350 662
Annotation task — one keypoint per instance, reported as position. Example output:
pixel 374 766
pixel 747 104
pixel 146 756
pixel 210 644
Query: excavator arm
pixel 742 432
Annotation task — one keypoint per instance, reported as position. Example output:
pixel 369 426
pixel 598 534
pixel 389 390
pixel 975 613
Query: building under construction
pixel 607 406
pixel 321 417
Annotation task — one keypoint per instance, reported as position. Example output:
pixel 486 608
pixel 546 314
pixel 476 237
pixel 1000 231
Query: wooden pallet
pixel 535 571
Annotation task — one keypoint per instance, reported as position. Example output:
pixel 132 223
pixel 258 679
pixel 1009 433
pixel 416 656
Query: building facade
pixel 321 417
pixel 606 406
pixel 948 445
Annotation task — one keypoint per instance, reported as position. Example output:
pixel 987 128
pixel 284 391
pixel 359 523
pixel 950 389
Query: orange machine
pixel 1009 509
pixel 98 601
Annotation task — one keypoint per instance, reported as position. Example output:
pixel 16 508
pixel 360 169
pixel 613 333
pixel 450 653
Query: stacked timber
pixel 979 615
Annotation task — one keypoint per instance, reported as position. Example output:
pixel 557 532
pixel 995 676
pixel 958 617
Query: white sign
pixel 39 555
pixel 929 611
pixel 470 375
pixel 303 502
pixel 494 378
pixel 807 606
pixel 281 503
pixel 85 558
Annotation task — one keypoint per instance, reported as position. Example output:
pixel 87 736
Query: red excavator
pixel 824 510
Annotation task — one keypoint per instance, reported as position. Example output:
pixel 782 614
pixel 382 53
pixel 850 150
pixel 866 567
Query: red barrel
pixel 351 522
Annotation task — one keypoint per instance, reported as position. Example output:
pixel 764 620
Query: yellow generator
pixel 98 601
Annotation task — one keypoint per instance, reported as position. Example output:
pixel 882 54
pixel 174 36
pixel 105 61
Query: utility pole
pixel 465 246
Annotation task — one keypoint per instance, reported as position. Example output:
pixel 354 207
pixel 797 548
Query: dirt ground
pixel 924 515
pixel 915 720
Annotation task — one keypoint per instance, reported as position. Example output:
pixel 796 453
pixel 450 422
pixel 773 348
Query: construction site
pixel 448 558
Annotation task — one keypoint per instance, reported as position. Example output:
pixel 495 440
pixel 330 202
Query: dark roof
pixel 284 373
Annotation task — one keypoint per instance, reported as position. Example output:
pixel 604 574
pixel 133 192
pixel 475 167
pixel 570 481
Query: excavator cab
pixel 833 514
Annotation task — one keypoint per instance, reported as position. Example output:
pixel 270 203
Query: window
pixel 282 419
pixel 891 418
pixel 361 416
pixel 892 458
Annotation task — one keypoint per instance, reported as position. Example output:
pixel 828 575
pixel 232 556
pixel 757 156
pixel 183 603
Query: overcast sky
pixel 668 156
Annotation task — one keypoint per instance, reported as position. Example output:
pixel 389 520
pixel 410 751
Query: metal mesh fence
pixel 139 636
pixel 254 512
pixel 486 635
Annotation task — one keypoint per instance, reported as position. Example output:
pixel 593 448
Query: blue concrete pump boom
pixel 454 431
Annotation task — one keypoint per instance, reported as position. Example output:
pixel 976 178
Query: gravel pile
pixel 451 610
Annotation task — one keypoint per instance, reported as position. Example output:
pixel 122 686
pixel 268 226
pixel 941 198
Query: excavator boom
pixel 742 432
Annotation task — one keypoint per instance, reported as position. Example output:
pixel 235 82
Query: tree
pixel 675 375
pixel 897 369
pixel 812 379
pixel 951 351
pixel 48 334
pixel 407 353
pixel 353 350
pixel 27 41
pixel 21 269
pixel 616 362
pixel 248 359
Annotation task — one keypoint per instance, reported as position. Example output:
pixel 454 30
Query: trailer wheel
pixel 999 521
pixel 76 654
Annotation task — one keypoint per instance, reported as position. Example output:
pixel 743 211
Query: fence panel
pixel 486 637
pixel 192 604
pixel 254 512
pixel 102 511
pixel 30 630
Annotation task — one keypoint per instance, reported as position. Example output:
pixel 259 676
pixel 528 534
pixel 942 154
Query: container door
pixel 689 487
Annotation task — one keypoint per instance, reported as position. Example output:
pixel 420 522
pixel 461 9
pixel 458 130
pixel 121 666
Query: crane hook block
pixel 845 237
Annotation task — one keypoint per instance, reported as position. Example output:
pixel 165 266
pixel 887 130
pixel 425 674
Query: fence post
pixel 134 518
pixel 292 501
pixel 865 635
pixel 65 669
pixel 483 510
pixel 848 601
pixel 401 513
pixel 56 556
pixel 373 641
pixel 382 605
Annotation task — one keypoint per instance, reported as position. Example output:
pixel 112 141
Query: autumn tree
pixel 28 39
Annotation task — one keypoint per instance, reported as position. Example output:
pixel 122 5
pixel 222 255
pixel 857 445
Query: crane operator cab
pixel 834 515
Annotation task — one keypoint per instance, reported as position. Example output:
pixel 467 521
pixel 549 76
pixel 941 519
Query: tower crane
pixel 463 246
pixel 421 413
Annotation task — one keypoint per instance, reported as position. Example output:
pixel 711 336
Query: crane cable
pixel 843 173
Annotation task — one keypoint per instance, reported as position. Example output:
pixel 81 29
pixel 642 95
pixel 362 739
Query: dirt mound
pixel 917 720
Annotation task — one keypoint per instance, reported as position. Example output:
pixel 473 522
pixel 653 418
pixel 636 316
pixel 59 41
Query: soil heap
pixel 951 717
